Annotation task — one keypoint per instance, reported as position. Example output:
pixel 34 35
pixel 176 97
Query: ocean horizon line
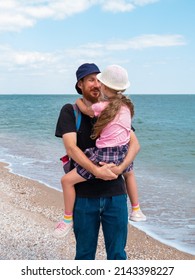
pixel 76 94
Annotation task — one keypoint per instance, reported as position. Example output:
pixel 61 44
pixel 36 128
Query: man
pixel 102 200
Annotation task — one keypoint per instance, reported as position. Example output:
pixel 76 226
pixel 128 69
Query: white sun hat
pixel 114 77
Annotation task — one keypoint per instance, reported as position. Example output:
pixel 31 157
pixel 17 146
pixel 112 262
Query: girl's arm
pixel 87 110
pixel 133 150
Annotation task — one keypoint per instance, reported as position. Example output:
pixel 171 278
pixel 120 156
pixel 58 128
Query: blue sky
pixel 42 43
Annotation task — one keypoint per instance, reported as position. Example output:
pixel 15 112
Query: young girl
pixel 112 134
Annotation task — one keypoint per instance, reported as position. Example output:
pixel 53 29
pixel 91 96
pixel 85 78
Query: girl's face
pixel 102 92
pixel 106 92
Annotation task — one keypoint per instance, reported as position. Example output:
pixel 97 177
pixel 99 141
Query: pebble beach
pixel 29 211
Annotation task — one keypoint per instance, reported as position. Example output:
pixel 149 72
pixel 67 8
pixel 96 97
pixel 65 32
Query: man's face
pixel 90 87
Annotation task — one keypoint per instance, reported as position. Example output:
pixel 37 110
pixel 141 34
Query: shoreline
pixel 29 211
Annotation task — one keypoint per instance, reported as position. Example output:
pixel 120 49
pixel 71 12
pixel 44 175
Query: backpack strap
pixel 65 159
pixel 77 114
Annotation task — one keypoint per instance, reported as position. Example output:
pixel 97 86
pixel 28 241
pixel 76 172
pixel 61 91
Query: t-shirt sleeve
pixel 66 121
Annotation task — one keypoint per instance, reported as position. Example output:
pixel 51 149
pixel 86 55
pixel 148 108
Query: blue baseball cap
pixel 84 70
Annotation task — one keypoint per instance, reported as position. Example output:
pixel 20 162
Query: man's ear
pixel 79 84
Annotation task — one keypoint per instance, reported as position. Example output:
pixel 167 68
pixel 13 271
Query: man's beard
pixel 92 98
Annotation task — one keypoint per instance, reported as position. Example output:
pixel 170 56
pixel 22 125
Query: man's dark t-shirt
pixel 94 188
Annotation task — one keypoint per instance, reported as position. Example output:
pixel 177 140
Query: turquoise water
pixel 165 127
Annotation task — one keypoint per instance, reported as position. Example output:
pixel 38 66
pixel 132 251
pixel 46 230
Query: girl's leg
pixel 132 190
pixel 68 181
pixel 131 187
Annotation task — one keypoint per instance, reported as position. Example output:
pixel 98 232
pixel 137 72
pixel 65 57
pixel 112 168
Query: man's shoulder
pixel 67 109
pixel 67 106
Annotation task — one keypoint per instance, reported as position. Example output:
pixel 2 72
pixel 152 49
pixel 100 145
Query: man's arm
pixel 103 172
pixel 133 150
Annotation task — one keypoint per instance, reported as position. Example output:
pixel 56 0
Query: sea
pixel 164 167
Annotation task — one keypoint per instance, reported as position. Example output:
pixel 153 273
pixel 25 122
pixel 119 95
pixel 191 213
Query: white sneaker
pixel 137 216
pixel 62 229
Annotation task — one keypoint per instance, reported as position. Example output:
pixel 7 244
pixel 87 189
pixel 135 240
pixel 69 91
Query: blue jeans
pixel 111 212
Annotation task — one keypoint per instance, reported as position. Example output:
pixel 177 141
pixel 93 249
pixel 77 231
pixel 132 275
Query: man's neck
pixel 87 102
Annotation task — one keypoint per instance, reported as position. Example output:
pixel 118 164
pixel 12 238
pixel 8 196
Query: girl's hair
pixel 109 113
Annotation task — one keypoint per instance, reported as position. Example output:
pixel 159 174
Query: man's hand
pixel 116 169
pixel 105 172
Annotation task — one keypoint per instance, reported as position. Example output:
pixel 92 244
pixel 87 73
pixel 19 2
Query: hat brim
pixel 78 89
pixel 106 83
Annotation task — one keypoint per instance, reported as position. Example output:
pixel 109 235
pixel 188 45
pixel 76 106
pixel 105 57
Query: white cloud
pixel 18 14
pixel 124 5
pixel 10 22
pixel 63 9
pixel 148 41
pixel 117 6
pixel 12 60
pixel 32 58
pixel 143 2
pixel 136 43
